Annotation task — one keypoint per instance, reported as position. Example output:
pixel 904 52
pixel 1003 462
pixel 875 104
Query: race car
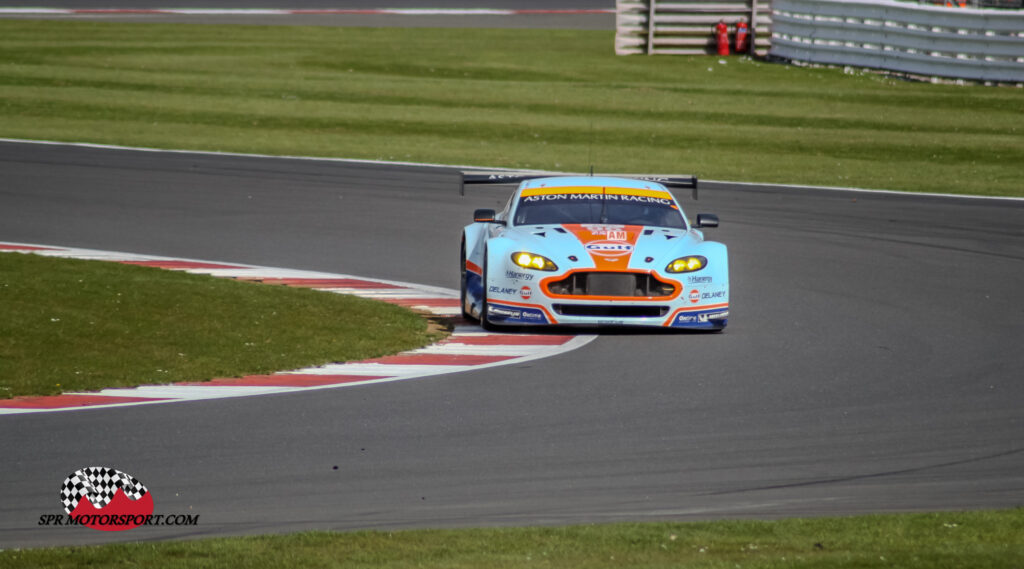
pixel 592 250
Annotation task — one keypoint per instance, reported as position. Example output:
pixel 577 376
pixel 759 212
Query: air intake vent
pixel 611 311
pixel 625 285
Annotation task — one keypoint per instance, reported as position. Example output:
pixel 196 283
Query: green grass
pixel 992 539
pixel 512 98
pixel 71 325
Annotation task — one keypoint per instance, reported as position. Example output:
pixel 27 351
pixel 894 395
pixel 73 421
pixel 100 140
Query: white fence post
pixel 684 27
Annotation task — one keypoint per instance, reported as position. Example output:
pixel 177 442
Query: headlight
pixel 531 261
pixel 687 264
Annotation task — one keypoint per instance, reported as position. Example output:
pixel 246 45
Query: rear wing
pixel 512 177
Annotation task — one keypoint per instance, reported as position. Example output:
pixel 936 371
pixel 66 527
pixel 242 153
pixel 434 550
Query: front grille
pixel 626 285
pixel 610 311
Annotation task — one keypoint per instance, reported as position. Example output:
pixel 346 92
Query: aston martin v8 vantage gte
pixel 586 250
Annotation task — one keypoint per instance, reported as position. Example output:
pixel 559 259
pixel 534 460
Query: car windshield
pixel 619 207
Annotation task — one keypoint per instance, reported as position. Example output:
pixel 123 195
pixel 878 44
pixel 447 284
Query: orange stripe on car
pixel 610 246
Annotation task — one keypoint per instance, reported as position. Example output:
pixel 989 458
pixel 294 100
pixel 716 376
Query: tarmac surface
pixel 537 14
pixel 872 363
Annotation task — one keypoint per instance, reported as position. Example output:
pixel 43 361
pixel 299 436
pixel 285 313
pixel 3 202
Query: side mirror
pixel 484 216
pixel 706 220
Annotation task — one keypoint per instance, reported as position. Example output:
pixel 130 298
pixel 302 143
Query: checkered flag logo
pixel 99 484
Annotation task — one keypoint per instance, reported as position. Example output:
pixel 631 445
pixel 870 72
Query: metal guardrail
pixel 685 27
pixel 922 40
pixel 1008 4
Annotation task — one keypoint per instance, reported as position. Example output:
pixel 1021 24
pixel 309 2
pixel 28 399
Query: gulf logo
pixel 609 248
pixel 694 296
pixel 525 292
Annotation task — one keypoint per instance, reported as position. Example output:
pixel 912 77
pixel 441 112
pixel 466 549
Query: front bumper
pixel 679 313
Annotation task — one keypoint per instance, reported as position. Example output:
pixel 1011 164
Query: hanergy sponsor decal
pixel 501 311
pixel 517 275
pixel 709 316
pixel 609 248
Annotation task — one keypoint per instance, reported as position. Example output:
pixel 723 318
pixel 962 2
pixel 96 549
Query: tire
pixel 483 304
pixel 462 279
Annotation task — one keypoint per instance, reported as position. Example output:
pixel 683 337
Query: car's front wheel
pixel 484 323
pixel 462 288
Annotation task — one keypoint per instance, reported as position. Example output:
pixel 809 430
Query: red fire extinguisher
pixel 741 36
pixel 722 36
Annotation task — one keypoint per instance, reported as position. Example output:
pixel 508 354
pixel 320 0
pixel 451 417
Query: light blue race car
pixel 592 250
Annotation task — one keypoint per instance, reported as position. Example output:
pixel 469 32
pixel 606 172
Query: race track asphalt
pixel 873 363
pixel 121 11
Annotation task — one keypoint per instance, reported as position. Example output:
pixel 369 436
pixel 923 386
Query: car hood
pixel 605 247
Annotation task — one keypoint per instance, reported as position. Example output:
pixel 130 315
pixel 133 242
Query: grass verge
pixel 986 539
pixel 553 99
pixel 71 325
